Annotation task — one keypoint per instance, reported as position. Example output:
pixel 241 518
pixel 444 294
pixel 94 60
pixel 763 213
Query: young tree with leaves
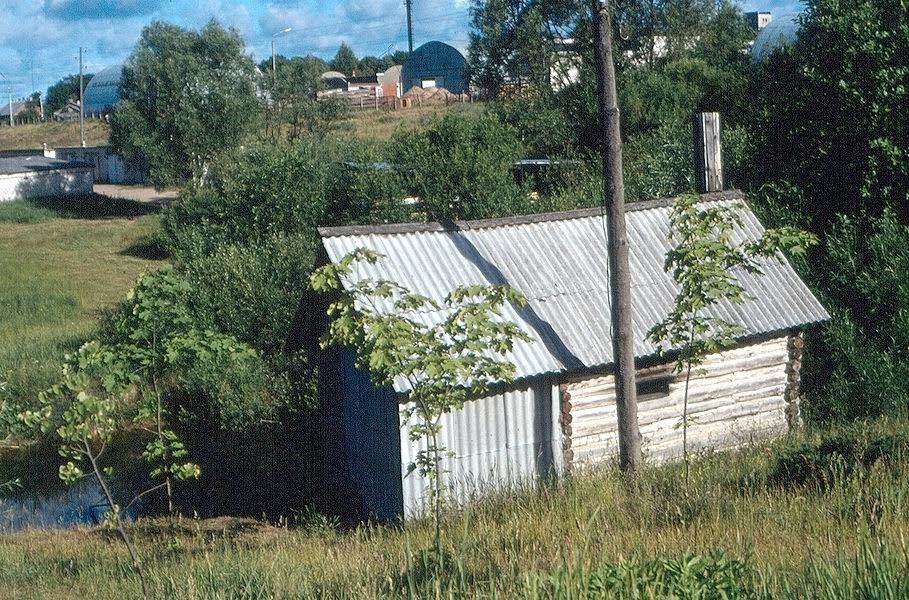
pixel 116 384
pixel 704 263
pixel 440 364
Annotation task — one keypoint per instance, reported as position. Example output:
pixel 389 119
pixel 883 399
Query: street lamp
pixel 274 64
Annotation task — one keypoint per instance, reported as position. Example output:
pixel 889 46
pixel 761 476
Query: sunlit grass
pixel 740 524
pixel 56 274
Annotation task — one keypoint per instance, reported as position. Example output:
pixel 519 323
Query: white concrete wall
pixel 739 397
pixel 496 441
pixel 44 184
pixel 109 166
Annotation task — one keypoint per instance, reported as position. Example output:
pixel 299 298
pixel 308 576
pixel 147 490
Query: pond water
pixel 80 504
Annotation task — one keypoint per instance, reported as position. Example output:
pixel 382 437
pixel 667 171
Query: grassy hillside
pixel 53 133
pixel 381 124
pixel 812 516
pixel 361 124
pixel 60 264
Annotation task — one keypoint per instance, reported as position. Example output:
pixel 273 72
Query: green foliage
pixel 251 292
pixel 541 124
pixel 658 164
pixel 63 91
pixel 866 364
pixel 166 347
pixel 507 53
pixel 345 61
pixel 440 364
pixel 293 111
pixel 370 65
pixel 819 460
pixel 841 137
pixel 21 211
pixel 187 96
pixel 715 576
pixel 254 194
pixel 462 167
pixel 704 264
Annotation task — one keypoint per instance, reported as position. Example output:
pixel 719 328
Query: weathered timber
pixel 737 395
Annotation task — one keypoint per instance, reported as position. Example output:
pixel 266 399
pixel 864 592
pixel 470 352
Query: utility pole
pixel 630 456
pixel 81 103
pixel 274 62
pixel 10 90
pixel 407 3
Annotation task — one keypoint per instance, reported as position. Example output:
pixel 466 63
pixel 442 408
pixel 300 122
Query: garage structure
pixel 29 177
pixel 559 414
pixel 435 65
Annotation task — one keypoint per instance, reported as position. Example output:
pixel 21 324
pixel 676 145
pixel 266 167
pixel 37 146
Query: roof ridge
pixel 567 215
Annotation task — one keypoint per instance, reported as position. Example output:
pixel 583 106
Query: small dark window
pixel 653 383
pixel 653 387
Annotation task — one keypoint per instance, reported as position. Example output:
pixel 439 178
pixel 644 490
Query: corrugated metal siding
pixel 561 267
pixel 737 398
pixel 497 440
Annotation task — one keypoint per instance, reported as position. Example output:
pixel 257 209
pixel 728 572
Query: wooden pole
pixel 630 457
pixel 708 153
pixel 81 104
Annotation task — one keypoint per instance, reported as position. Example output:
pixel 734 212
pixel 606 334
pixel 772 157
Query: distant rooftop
pixel 32 164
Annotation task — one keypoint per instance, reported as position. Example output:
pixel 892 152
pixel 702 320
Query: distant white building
pixel 758 20
pixel 564 64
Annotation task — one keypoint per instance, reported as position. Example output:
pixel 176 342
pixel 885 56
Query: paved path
pixel 137 193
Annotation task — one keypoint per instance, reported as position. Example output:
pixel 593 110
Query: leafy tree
pixel 398 57
pixel 187 96
pixel 345 61
pixel 512 42
pixel 293 110
pixel 63 91
pixel 704 264
pixel 833 158
pixel 370 65
pixel 461 167
pixel 841 138
pixel 440 363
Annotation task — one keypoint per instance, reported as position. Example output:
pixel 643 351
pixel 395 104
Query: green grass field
pixel 61 263
pixel 811 516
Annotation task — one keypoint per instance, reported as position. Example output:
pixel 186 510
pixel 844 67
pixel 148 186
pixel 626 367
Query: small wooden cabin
pixel 559 414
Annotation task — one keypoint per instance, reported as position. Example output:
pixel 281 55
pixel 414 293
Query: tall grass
pixel 61 262
pixel 743 531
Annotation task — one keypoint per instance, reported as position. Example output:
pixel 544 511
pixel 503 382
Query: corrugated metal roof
pixel 558 261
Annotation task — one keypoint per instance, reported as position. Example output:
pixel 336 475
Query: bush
pixel 461 167
pixel 864 370
pixel 816 461
pixel 691 576
pixel 660 163
pixel 251 291
pixel 252 195
pixel 24 212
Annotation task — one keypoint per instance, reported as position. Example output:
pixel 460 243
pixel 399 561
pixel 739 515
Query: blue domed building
pixel 435 65
pixel 103 91
pixel 778 34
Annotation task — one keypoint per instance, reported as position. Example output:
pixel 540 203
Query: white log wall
pixel 738 396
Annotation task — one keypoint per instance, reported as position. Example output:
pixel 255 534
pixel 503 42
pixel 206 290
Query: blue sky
pixel 40 39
